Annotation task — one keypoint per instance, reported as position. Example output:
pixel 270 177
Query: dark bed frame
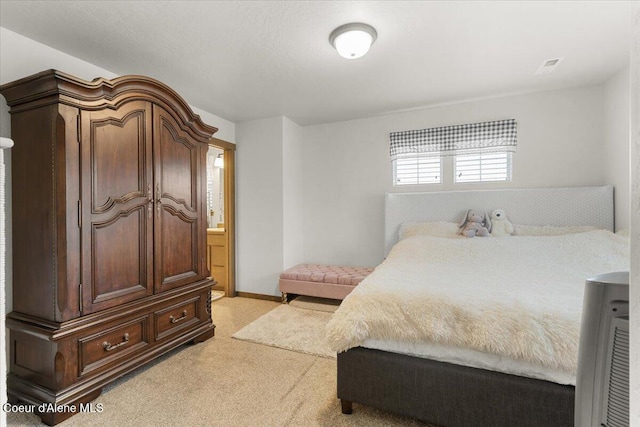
pixel 450 395
pixel 457 396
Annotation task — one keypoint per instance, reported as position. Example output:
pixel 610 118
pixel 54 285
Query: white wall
pixel 21 57
pixel 616 143
pixel 347 168
pixel 259 205
pixel 269 202
pixel 226 129
pixel 293 194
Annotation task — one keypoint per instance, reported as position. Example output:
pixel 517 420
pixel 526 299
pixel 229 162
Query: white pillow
pixel 550 230
pixel 436 228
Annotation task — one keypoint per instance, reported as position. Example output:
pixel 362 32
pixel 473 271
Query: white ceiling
pixel 246 60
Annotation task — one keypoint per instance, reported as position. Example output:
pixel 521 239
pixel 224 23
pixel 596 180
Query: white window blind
pixel 483 167
pixel 416 169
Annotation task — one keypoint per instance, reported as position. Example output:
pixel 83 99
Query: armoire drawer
pixel 176 317
pixel 101 348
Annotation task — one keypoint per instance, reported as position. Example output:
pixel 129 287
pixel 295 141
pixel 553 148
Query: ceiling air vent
pixel 549 65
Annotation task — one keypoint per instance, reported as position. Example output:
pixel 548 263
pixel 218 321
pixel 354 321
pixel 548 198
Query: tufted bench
pixel 324 281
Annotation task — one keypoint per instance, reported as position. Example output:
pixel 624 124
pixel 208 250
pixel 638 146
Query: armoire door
pixel 117 205
pixel 179 233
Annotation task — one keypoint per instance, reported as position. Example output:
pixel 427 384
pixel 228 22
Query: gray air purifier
pixel 602 383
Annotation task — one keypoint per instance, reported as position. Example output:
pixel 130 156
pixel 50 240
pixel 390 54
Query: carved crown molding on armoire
pixel 109 234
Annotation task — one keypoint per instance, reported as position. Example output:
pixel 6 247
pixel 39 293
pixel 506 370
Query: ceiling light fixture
pixel 219 162
pixel 353 40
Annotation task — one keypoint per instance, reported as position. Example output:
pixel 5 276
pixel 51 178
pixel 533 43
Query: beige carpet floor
pixel 227 382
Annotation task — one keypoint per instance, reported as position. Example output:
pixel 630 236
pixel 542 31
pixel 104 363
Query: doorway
pixel 221 215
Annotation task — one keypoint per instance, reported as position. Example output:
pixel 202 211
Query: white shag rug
pixel 291 328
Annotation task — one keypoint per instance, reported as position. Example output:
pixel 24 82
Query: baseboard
pixel 259 296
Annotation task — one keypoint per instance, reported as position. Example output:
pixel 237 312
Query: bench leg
pixel 347 407
pixel 284 297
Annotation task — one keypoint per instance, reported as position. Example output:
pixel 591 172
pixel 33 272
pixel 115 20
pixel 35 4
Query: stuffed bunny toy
pixel 476 223
pixel 500 225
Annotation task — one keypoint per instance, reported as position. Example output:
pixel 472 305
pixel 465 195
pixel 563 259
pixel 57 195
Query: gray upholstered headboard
pixel 532 206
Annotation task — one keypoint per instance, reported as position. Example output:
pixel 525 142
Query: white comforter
pixel 518 297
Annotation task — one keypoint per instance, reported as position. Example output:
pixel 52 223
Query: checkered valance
pixel 499 135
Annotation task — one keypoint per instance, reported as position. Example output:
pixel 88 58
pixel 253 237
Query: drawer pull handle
pixel 107 346
pixel 177 319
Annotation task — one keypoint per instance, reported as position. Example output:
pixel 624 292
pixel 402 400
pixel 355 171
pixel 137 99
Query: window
pixel 482 167
pixel 414 169
pixel 481 151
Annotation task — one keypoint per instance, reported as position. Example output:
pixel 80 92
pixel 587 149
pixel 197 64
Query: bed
pixel 481 331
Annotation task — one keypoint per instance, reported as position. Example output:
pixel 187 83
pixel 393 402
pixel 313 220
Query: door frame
pixel 229 157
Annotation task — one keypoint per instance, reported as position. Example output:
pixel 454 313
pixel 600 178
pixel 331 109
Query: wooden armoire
pixel 109 234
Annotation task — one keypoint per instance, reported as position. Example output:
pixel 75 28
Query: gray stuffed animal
pixel 475 223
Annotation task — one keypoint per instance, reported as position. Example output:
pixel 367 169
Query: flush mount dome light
pixel 353 40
